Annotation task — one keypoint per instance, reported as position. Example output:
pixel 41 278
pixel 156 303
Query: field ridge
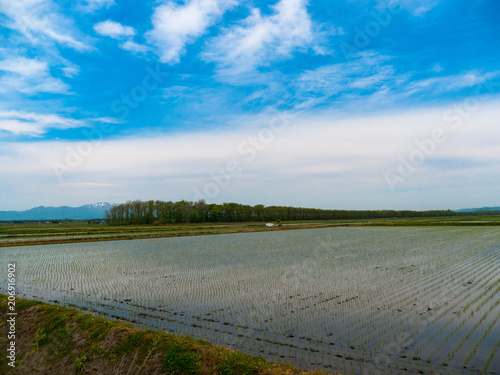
pixel 57 340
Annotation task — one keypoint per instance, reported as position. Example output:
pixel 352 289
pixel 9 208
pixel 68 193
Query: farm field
pixel 36 233
pixel 354 299
pixel 39 234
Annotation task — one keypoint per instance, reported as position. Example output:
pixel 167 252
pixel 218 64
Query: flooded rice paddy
pixel 357 300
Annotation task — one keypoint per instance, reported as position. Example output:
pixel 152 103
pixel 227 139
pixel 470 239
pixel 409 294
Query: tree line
pixel 160 212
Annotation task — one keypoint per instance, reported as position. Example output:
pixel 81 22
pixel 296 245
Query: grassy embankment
pixel 56 340
pixel 39 234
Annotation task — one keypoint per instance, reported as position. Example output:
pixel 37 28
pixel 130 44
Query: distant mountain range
pixel 479 209
pixel 89 211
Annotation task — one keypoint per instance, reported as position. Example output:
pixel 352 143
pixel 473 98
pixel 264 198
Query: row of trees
pixel 151 212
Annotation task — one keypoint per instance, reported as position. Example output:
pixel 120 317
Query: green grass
pixel 136 351
pixel 241 364
pixel 54 331
pixel 80 364
pixel 134 341
pixel 181 359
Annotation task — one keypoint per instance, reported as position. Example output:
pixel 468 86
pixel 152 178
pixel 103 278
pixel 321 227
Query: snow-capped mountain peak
pixel 98 205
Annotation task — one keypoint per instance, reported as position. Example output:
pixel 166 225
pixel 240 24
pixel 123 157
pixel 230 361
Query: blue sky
pixel 351 104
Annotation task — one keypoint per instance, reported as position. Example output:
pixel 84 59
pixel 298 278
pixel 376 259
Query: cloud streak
pixel 29 76
pixel 34 124
pixel 416 7
pixel 454 82
pixel 40 23
pixel 94 5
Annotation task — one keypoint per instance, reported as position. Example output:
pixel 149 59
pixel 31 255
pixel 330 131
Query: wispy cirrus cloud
pixel 38 31
pixel 93 5
pixel 369 77
pixel 416 7
pixel 29 76
pixel 259 40
pixel 452 82
pixel 87 184
pixel 23 66
pixel 175 26
pixel 40 23
pixel 70 70
pixel 35 124
pixel 373 78
pixel 368 72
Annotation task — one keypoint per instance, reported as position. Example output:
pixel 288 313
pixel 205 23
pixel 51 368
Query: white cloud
pixel 29 76
pixel 132 46
pixel 93 5
pixel 107 120
pixel 174 92
pixel 369 71
pixel 71 70
pixel 113 29
pixel 40 28
pixel 453 82
pixel 259 39
pixel 318 161
pixel 175 26
pixel 34 124
pixel 416 7
pixel 118 31
pixel 372 79
pixel 87 184
pixel 23 66
pixel 369 80
pixel 40 23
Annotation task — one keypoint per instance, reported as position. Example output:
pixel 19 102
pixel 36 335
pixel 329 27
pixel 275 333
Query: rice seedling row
pixel 333 298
